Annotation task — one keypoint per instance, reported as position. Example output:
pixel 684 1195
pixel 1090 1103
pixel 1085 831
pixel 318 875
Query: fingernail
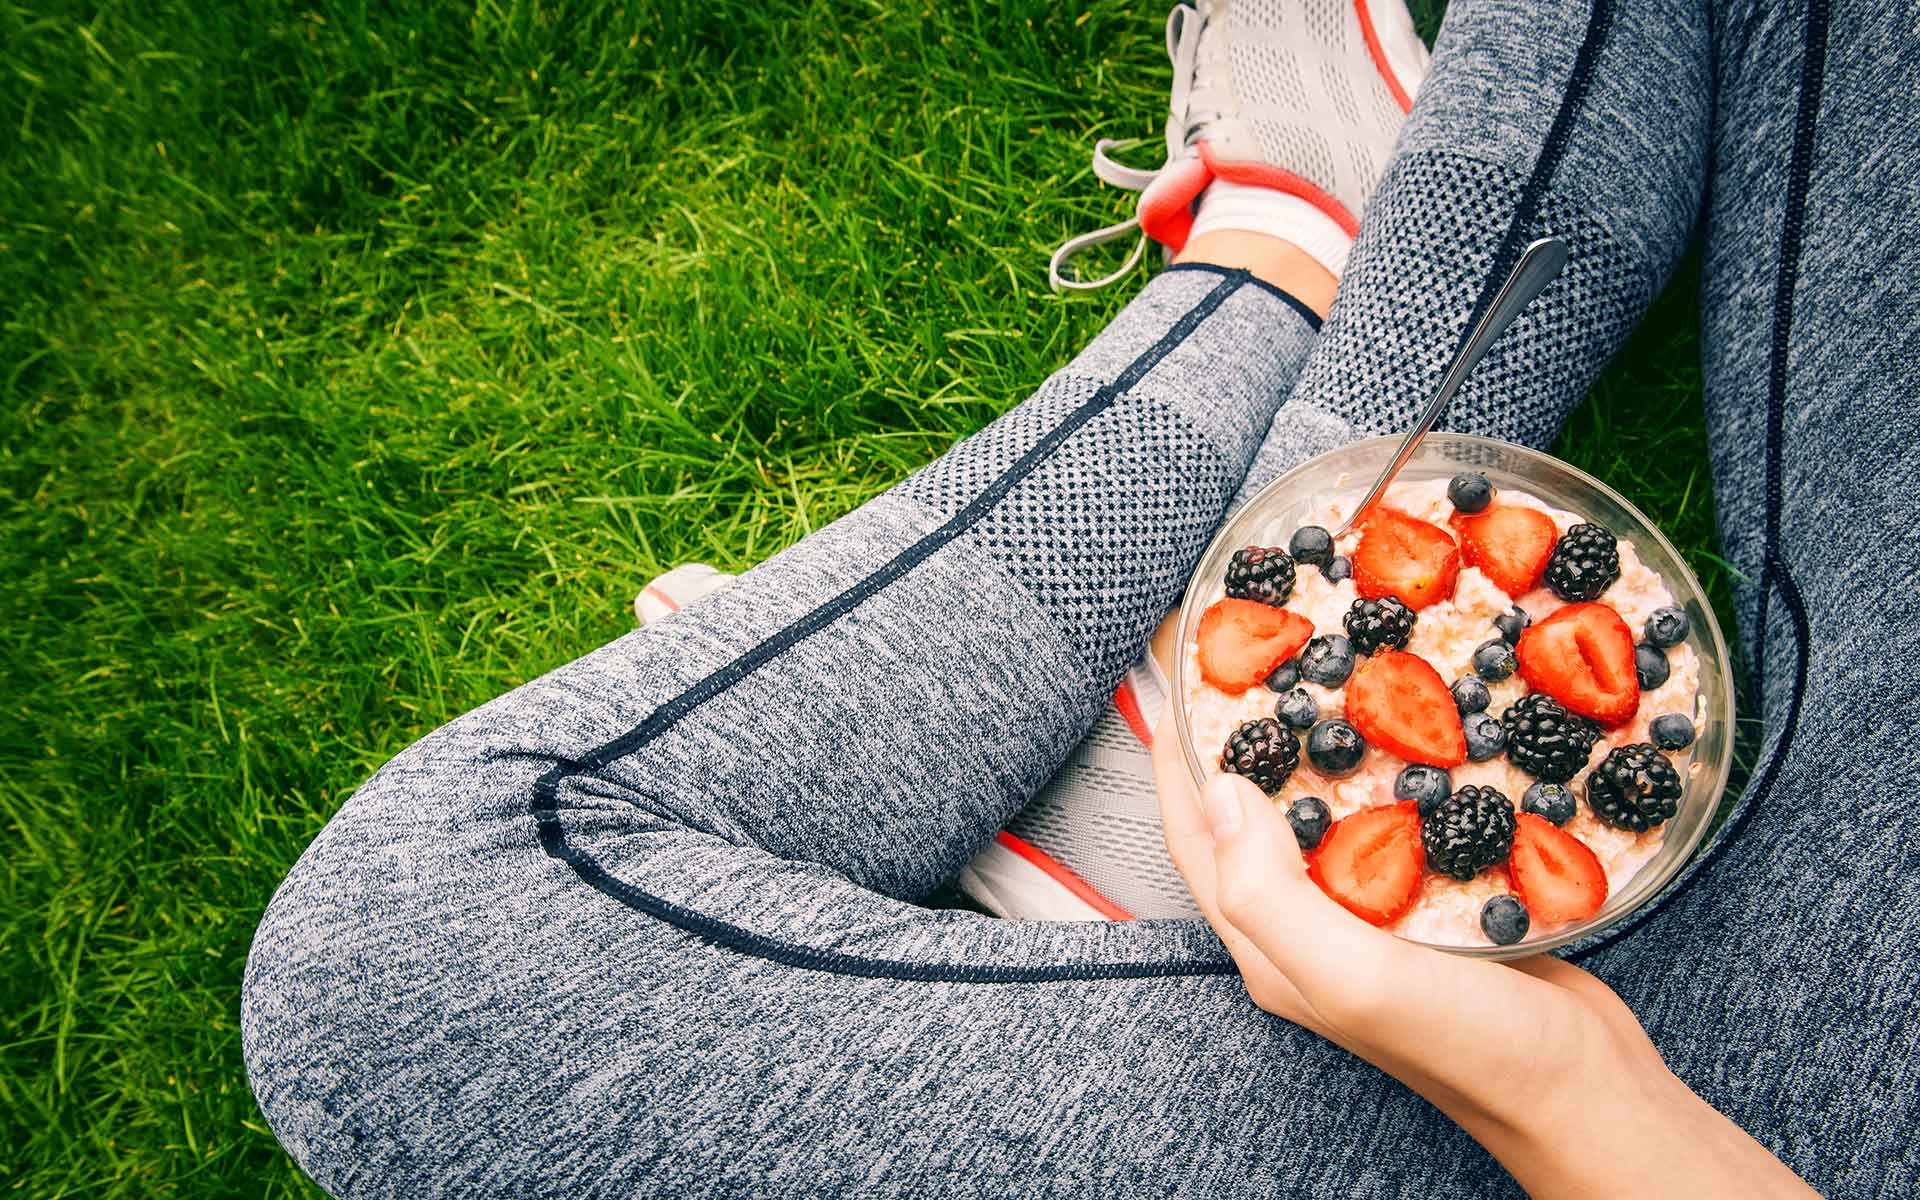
pixel 1225 809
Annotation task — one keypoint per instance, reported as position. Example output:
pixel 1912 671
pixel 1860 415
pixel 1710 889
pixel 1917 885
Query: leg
pixel 1778 976
pixel 678 849
pixel 1585 122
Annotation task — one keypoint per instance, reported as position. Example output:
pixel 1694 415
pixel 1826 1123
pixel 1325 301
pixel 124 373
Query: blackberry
pixel 1338 567
pixel 1310 818
pixel 1263 573
pixel 1376 625
pixel 1585 562
pixel 1470 830
pixel 1263 752
pixel 1672 731
pixel 1485 738
pixel 1327 660
pixel 1425 786
pixel 1545 740
pixel 1504 920
pixel 1470 493
pixel 1285 677
pixel 1650 665
pixel 1511 622
pixel 1667 627
pixel 1549 800
pixel 1297 709
pixel 1634 787
pixel 1493 660
pixel 1311 545
pixel 1335 748
pixel 1470 694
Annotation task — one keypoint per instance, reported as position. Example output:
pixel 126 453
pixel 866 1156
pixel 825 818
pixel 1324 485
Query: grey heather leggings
pixel 645 926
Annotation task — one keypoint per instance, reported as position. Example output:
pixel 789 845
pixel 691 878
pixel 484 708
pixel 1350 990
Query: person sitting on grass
pixel 647 925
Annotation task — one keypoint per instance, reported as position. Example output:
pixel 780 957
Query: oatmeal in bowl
pixel 1497 714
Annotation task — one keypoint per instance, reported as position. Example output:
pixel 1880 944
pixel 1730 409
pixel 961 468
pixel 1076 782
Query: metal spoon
pixel 1539 263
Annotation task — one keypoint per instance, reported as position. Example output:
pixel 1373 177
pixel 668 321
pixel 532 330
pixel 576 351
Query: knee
pixel 350 962
pixel 303 1011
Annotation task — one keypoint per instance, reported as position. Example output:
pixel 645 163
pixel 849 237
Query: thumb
pixel 1262 890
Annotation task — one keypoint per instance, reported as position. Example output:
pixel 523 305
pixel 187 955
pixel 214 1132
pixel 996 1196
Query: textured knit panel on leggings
pixel 1622 189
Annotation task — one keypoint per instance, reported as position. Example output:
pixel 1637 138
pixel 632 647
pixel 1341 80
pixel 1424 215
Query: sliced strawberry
pixel 1242 641
pixel 1399 555
pixel 1371 861
pixel 1553 872
pixel 1399 703
pixel 1582 656
pixel 1510 544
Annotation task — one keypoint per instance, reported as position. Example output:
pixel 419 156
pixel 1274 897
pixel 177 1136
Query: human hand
pixel 1518 1053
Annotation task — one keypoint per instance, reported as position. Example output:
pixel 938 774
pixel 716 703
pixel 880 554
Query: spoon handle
pixel 1537 266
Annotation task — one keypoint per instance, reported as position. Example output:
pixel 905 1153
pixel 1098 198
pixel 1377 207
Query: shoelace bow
pixel 1193 106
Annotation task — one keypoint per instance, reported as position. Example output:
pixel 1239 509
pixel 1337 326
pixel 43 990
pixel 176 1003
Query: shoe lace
pixel 1197 101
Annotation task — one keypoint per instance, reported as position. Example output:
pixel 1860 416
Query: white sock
pixel 1251 209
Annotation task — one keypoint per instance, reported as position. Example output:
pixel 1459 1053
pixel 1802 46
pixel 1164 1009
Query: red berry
pixel 1399 555
pixel 1403 556
pixel 1242 641
pixel 1510 545
pixel 1582 656
pixel 1553 872
pixel 1371 861
pixel 1399 703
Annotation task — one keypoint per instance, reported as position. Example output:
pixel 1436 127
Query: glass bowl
pixel 1270 517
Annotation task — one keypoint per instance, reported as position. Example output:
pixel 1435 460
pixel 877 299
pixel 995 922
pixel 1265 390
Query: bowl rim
pixel 1714 641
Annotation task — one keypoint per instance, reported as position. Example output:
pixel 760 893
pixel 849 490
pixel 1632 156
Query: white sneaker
pixel 669 593
pixel 1088 847
pixel 1301 97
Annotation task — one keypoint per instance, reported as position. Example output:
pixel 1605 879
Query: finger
pixel 1261 887
pixel 1598 998
pixel 1181 822
pixel 1191 848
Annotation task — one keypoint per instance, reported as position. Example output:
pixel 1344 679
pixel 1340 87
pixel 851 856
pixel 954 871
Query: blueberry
pixel 1297 709
pixel 1311 544
pixel 1549 800
pixel 1671 732
pixel 1337 568
pixel 1493 660
pixel 1285 677
pixel 1310 819
pixel 1470 695
pixel 1667 627
pixel 1327 660
pixel 1650 664
pixel 1485 737
pixel 1425 786
pixel 1470 493
pixel 1511 622
pixel 1504 920
pixel 1335 748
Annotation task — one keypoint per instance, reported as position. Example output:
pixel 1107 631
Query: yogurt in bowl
pixel 1498 714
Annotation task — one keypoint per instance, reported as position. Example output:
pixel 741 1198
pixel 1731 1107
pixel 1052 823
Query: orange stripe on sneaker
pixel 662 597
pixel 1264 175
pixel 1129 706
pixel 1379 54
pixel 1081 890
pixel 1166 207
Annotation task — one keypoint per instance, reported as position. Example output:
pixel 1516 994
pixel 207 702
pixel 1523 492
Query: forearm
pixel 1619 1124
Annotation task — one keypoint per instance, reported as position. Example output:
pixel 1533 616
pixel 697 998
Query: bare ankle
pixel 1269 259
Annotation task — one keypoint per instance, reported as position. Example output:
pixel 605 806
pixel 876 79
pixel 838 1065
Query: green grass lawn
pixel 361 362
